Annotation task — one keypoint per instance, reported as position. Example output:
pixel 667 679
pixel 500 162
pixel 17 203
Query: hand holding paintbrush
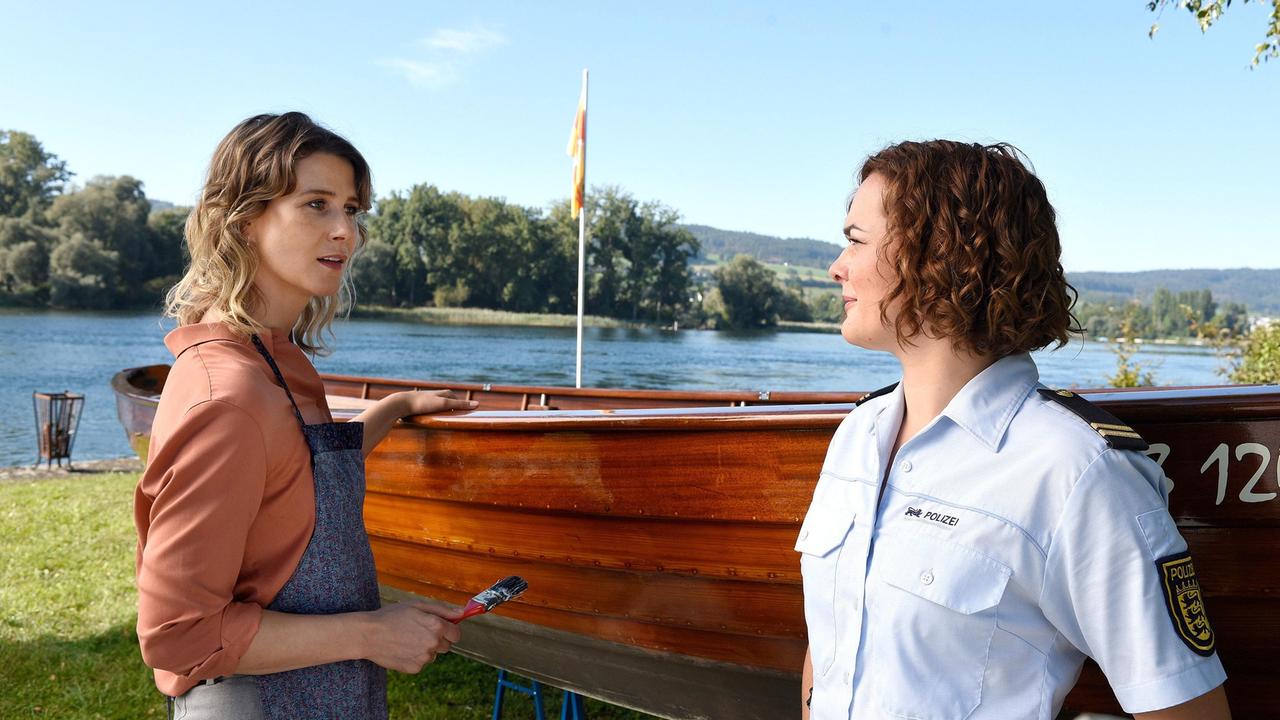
pixel 507 588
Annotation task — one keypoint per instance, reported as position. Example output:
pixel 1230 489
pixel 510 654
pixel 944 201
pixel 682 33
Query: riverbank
pixel 486 317
pixel 482 316
pixel 81 469
pixel 68 611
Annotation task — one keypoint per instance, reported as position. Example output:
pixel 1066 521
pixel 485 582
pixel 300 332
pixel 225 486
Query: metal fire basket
pixel 57 417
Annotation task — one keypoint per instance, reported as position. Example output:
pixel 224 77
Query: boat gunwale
pixel 1163 404
pixel 748 396
pixel 121 386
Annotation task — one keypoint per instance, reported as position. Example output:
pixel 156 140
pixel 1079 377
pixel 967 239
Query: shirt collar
pixel 984 407
pixel 986 404
pixel 179 340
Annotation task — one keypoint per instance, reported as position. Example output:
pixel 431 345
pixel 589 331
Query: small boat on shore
pixel 655 529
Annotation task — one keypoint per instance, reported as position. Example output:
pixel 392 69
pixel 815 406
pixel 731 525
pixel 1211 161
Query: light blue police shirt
pixel 1010 543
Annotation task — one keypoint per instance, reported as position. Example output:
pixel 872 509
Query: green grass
pixel 482 316
pixel 68 609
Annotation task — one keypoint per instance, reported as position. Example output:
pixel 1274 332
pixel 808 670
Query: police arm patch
pixel 1185 602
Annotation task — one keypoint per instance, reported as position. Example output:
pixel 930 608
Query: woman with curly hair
pixel 974 535
pixel 257 595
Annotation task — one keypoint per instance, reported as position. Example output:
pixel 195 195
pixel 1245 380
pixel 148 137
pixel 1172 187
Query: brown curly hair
pixel 975 248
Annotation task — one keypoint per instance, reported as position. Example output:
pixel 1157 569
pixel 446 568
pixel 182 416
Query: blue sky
pixel 747 116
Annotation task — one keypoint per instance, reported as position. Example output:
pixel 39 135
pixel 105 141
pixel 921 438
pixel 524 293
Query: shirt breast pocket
pixel 820 544
pixel 932 625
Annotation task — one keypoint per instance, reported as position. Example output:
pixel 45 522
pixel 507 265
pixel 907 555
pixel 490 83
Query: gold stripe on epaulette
pixel 1118 433
pixel 1110 426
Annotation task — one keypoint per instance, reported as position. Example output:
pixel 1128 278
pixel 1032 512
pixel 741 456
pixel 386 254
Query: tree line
pixel 100 246
pixel 1189 314
pixel 429 247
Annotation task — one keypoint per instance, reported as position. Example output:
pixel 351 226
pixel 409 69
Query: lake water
pixel 53 351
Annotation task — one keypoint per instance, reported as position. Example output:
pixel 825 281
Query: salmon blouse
pixel 226 505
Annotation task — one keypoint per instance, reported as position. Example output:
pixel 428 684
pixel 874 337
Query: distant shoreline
pixel 487 317
pixel 484 316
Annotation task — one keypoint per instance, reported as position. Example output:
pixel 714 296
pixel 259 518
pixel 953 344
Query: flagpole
pixel 582 231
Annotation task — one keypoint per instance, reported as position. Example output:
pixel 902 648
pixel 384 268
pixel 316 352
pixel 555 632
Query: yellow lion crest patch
pixel 1185 602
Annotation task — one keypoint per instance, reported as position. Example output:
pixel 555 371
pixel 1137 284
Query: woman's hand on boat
pixel 424 402
pixel 379 418
pixel 406 636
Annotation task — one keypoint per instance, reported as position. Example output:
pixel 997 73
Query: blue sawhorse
pixel 573 707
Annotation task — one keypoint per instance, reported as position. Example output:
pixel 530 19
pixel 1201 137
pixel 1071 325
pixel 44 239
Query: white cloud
pixel 443 47
pixel 422 74
pixel 464 41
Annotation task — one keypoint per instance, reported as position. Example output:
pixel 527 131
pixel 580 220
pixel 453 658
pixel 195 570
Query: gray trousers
pixel 235 698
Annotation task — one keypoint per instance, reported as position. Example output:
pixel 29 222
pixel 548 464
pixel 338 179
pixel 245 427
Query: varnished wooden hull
pixel 657 543
pixel 632 536
pixel 137 392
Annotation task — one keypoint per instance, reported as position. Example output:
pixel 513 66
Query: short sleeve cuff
pixel 1171 690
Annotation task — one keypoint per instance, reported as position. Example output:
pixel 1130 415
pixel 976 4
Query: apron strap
pixel 262 349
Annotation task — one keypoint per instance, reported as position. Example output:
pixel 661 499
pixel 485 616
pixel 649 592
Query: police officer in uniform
pixel 974 535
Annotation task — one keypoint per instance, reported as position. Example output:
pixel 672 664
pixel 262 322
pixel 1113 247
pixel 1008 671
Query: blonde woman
pixel 257 596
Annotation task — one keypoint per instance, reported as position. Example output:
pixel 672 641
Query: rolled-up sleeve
pixel 197 500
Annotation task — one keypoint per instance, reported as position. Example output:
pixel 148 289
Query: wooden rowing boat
pixel 655 529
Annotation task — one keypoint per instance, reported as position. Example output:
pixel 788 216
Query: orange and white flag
pixel 578 150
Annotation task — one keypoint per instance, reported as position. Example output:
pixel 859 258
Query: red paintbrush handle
pixel 472 609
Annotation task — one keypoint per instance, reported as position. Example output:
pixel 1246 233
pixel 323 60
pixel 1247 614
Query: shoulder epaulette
pixel 1117 434
pixel 875 394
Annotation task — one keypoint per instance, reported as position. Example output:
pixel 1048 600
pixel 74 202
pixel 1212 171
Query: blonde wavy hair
pixel 254 164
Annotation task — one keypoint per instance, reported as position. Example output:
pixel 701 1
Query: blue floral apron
pixel 335 575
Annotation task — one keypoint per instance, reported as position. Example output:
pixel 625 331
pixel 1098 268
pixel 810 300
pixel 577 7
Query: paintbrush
pixel 508 588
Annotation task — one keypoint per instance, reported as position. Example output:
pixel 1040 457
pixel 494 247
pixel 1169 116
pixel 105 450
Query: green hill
pixel 722 245
pixel 1257 289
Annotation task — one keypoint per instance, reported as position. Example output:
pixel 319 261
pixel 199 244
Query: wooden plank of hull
pixel 761 551
pixel 760 624
pixel 664 684
pixel 704 473
pixel 752 651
